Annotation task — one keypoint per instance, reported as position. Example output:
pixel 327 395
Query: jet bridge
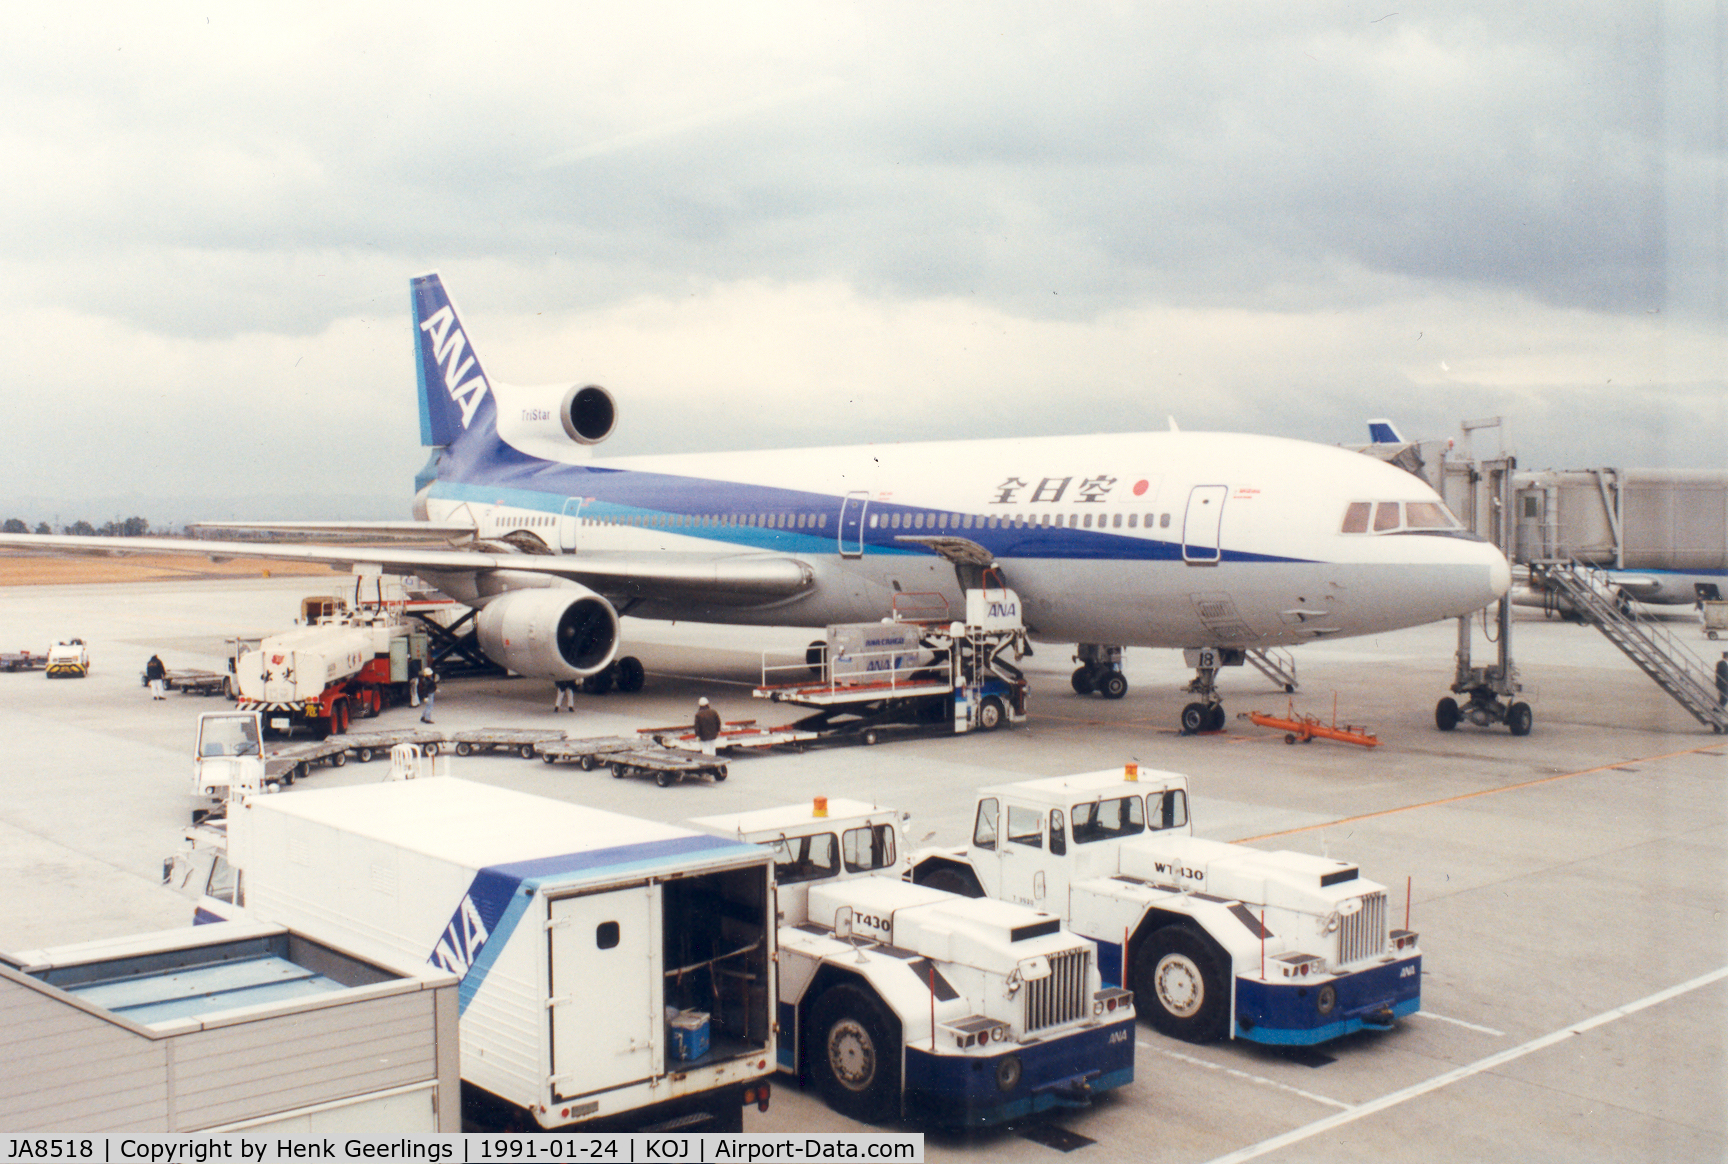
pixel 1592 542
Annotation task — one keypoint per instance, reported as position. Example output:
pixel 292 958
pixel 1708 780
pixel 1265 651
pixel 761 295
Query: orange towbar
pixel 1308 728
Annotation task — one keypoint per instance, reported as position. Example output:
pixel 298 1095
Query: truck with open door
pixel 615 973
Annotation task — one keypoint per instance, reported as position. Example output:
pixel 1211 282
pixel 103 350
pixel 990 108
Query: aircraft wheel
pixel 1194 718
pixel 598 683
pixel 1519 719
pixel 1446 714
pixel 1215 718
pixel 631 674
pixel 990 714
pixel 1081 680
pixel 855 1055
pixel 1179 986
pixel 1114 685
pixel 463 749
pixel 339 760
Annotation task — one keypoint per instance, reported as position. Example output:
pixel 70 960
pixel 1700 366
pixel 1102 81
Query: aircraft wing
pixel 726 578
pixel 369 529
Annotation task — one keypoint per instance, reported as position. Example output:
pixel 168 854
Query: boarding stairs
pixel 1671 665
pixel 1277 665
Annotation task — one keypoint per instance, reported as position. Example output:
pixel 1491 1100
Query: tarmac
pixel 1568 886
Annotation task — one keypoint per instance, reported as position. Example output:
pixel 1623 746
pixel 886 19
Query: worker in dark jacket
pixel 156 675
pixel 707 725
pixel 427 686
pixel 1722 680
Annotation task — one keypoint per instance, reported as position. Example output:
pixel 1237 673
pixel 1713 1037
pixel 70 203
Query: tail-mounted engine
pixel 555 421
pixel 566 632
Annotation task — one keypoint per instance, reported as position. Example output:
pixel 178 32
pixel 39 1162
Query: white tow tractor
pixel 898 1000
pixel 1218 940
pixel 69 660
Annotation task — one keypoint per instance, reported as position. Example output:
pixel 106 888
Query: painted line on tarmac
pixel 1704 749
pixel 1308 1131
pixel 1264 1082
pixel 1459 1023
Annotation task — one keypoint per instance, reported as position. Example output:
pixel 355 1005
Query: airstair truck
pixel 898 1000
pixel 1217 940
pixel 615 973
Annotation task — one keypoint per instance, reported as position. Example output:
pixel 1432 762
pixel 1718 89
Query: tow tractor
pixel 1218 940
pixel 915 669
pixel 898 1000
pixel 68 660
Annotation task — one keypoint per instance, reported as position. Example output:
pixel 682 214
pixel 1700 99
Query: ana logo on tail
pixel 449 346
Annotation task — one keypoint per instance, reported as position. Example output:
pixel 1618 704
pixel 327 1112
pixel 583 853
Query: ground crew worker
pixel 427 686
pixel 1722 680
pixel 156 675
pixel 566 699
pixel 707 725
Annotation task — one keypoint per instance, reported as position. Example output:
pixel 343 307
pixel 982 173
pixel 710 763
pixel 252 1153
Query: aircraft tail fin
pixel 454 391
pixel 1383 432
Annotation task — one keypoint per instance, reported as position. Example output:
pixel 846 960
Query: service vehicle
pixel 228 759
pixel 69 660
pixel 615 973
pixel 897 1000
pixel 1217 940
pixel 918 668
pixel 343 664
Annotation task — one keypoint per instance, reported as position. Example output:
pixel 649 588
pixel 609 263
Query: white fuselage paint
pixel 1287 573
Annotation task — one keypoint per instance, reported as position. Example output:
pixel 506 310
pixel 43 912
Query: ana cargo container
pixel 596 951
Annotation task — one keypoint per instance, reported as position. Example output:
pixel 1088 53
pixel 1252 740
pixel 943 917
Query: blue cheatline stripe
pixel 500 894
pixel 625 499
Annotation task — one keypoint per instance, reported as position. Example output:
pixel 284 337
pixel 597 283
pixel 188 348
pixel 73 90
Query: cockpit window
pixel 1428 515
pixel 1393 516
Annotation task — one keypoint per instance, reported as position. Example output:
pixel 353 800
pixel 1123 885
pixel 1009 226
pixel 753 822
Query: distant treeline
pixel 132 527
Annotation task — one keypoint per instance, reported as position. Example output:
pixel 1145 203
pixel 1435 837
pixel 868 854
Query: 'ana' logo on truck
pixel 1004 610
pixel 461 940
pixel 447 351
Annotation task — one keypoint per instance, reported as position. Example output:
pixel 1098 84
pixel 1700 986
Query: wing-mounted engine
pixel 563 632
pixel 556 422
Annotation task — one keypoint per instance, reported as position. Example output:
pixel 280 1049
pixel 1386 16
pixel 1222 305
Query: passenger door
pixel 852 524
pixel 567 525
pixel 1201 525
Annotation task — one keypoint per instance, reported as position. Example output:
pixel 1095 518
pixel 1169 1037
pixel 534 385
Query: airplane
pixel 1220 542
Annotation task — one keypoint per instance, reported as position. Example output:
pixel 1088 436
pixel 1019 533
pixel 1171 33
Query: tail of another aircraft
pixel 455 394
pixel 1383 432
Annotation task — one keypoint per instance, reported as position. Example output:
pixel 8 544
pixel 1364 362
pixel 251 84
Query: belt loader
pixel 615 973
pixel 1217 940
pixel 898 1000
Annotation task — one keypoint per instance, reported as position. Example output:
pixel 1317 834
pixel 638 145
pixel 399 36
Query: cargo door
pixel 1200 527
pixel 606 991
pixel 567 525
pixel 852 524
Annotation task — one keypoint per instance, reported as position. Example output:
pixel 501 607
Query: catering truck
pixel 1217 940
pixel 615 973
pixel 901 1001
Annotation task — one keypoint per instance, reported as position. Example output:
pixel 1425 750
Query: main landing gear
pixel 626 674
pixel 1207 713
pixel 1100 671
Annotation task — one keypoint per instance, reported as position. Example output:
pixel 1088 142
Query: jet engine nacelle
pixel 566 632
pixel 555 418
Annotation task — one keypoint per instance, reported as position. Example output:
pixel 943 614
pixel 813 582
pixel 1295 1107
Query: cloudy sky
pixel 806 223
